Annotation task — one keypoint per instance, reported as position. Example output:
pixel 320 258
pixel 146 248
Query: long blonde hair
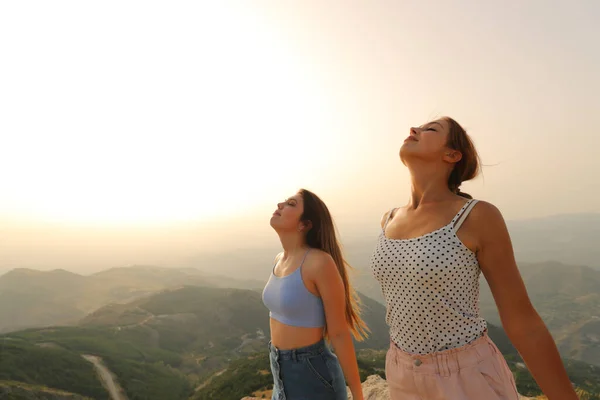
pixel 322 236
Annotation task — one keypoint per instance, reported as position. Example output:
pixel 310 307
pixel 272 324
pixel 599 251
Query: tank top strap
pixel 388 217
pixel 464 213
pixel 304 258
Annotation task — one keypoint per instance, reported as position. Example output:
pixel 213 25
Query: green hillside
pixel 30 298
pixel 193 341
pixel 192 331
pixel 251 376
pixel 144 370
pixel 11 390
pixel 568 300
pixel 36 364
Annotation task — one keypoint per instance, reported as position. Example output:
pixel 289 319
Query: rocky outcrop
pixel 374 388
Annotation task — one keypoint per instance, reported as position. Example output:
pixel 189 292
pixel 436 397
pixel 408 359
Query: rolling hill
pixel 12 390
pixel 568 300
pixel 30 298
pixel 232 314
pixel 569 239
pixel 173 339
pixel 191 342
pixel 38 367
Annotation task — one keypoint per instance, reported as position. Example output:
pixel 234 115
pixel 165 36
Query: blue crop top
pixel 290 302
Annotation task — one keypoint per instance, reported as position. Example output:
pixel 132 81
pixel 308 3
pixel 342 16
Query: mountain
pixel 55 358
pixel 205 313
pixel 173 337
pixel 191 342
pixel 30 298
pixel 568 300
pixel 570 239
pixel 191 319
pixel 37 365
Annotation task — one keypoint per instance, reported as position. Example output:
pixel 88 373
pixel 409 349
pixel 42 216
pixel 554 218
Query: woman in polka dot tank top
pixel 428 260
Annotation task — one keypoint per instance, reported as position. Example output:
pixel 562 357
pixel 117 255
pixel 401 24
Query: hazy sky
pixel 132 116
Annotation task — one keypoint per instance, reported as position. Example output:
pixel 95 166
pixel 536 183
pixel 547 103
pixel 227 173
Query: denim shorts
pixel 307 373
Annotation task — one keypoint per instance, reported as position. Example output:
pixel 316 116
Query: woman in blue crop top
pixel 309 298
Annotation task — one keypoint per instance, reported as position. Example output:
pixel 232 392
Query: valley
pixel 145 332
pixel 190 343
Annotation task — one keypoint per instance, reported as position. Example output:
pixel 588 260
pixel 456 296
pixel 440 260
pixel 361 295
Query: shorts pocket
pixel 500 383
pixel 319 368
pixel 504 373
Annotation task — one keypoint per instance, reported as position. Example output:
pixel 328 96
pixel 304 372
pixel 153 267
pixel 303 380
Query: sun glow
pixel 186 116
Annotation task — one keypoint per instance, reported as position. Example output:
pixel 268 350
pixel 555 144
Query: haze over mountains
pixel 30 298
pixel 214 245
pixel 187 327
pixel 569 239
pixel 556 255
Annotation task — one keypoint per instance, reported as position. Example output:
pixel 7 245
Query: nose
pixel 413 131
pixel 279 206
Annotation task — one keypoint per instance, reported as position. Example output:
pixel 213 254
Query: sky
pixel 133 129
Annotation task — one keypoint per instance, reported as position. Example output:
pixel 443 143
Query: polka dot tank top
pixel 431 287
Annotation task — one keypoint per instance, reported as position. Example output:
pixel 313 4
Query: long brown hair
pixel 322 236
pixel 469 165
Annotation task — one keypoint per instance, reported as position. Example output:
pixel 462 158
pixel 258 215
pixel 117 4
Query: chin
pixel 404 154
pixel 407 146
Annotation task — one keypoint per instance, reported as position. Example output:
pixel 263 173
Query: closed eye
pixel 429 128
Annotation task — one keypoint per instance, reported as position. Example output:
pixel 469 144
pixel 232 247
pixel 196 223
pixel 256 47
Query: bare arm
pixel 521 322
pixel 331 288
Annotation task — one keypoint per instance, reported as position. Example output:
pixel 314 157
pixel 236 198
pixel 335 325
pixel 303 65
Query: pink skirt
pixel 477 371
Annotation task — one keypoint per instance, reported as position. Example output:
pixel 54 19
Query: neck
pixel 292 243
pixel 428 185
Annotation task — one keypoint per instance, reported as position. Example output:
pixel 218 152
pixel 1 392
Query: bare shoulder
pixel 318 258
pixel 483 211
pixel 386 215
pixel 486 218
pixel 319 262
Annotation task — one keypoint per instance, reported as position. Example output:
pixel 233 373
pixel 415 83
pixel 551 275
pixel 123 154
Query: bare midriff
pixel 286 337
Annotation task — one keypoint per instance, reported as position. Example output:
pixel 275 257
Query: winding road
pixel 107 377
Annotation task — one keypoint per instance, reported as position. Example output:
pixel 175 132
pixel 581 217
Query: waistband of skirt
pixel 447 361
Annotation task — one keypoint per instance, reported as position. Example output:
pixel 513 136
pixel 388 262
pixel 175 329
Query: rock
pixel 374 388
